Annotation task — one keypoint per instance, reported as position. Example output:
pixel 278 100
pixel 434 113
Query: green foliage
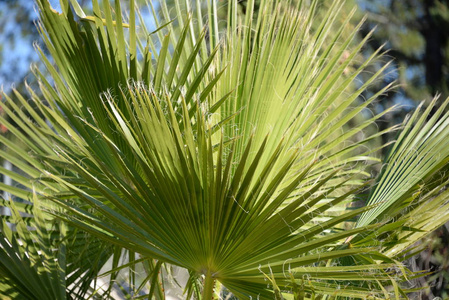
pixel 229 151
pixel 416 35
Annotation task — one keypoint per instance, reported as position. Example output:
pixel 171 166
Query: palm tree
pixel 221 148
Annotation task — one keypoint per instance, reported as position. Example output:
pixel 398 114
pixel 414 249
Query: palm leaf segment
pixel 223 155
pixel 411 190
pixel 50 261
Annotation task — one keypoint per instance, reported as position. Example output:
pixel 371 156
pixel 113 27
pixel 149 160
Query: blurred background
pixel 415 34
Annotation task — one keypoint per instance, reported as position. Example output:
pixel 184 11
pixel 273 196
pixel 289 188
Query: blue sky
pixel 17 51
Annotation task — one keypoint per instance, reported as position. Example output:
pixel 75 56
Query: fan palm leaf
pixel 411 188
pixel 44 259
pixel 226 154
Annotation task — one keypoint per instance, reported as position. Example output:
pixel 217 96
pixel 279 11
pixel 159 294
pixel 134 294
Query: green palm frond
pixel 44 259
pixel 27 268
pixel 232 154
pixel 411 189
